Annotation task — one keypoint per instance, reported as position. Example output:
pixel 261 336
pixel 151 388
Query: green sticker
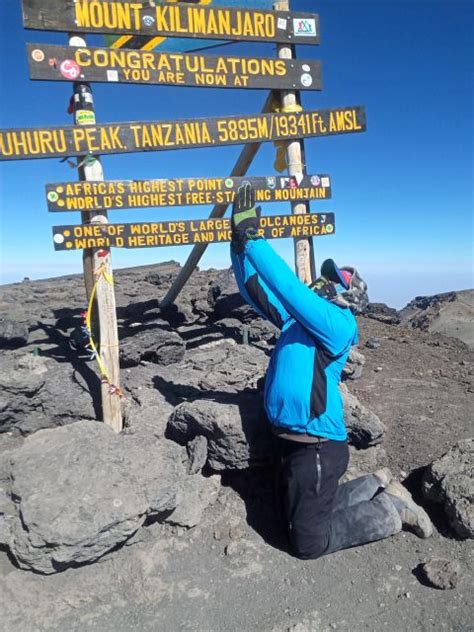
pixel 53 196
pixel 229 183
pixel 85 117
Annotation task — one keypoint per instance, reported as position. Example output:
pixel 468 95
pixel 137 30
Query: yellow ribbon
pixel 101 271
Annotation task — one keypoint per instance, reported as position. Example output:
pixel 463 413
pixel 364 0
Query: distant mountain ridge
pixel 450 313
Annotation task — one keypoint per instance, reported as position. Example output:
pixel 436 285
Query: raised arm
pixel 256 292
pixel 332 326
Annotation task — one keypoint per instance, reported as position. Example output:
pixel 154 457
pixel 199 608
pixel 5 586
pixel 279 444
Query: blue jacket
pixel 301 385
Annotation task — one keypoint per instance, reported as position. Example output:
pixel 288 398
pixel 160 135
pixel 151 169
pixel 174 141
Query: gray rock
pixel 195 494
pixel 158 345
pixel 214 371
pixel 443 574
pixel 362 462
pixel 382 313
pixel 372 343
pixel 13 334
pixel 38 392
pixel 354 366
pixel 363 426
pixel 450 482
pixel 237 435
pixel 255 331
pixel 197 454
pixel 81 490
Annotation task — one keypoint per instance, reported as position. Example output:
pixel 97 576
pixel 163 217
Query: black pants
pixel 322 516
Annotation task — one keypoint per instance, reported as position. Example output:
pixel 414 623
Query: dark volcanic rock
pixel 450 482
pixel 13 334
pixel 383 313
pixel 237 434
pixel 38 392
pixel 363 426
pixel 156 344
pixel 215 370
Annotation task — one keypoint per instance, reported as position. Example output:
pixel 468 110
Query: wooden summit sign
pixel 119 138
pixel 118 194
pixel 62 63
pixel 171 20
pixel 185 232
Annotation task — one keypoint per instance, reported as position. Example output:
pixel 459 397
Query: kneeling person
pixel 302 398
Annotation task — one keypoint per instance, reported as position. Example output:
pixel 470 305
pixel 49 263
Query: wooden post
pixel 91 169
pixel 294 152
pixel 240 169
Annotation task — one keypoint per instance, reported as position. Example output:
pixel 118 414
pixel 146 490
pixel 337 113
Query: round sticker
pixel 315 181
pixel 306 68
pixel 69 69
pixel 53 196
pixel 58 239
pixel 148 20
pixel 37 55
pixel 229 183
pixel 306 80
pixel 329 228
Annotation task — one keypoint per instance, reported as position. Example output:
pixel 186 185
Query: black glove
pixel 245 217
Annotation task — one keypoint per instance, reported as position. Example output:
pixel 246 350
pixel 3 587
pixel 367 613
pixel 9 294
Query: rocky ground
pixel 171 525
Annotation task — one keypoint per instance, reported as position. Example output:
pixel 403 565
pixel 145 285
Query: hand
pixel 245 217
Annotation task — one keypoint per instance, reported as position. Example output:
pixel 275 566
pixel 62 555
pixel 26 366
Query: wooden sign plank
pixel 109 65
pixel 162 193
pixel 171 20
pixel 120 138
pixel 185 232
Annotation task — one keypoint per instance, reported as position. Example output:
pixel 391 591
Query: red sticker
pixel 69 69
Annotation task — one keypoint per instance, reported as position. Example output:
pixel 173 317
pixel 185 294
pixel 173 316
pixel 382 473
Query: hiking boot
pixel 411 514
pixel 384 475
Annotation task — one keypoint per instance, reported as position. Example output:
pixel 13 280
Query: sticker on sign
pixel 304 27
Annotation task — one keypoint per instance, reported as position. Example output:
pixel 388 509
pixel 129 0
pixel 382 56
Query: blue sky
pixel 402 191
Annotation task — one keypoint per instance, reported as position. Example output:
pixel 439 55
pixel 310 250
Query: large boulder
pixel 38 392
pixel 450 482
pixel 382 313
pixel 217 369
pixel 81 490
pixel 363 426
pixel 156 344
pixel 237 433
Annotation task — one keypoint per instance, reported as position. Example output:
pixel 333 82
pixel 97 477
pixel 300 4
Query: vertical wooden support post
pixel 289 99
pixel 93 259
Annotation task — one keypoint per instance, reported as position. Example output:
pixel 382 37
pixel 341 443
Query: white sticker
pixel 281 23
pixel 306 68
pixel 304 27
pixel 38 55
pixel 299 178
pixel 112 75
pixel 306 80
pixel 325 182
pixel 58 239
